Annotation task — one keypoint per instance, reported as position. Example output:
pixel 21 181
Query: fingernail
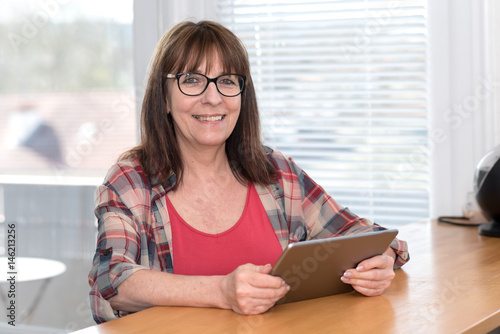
pixel 347 274
pixel 360 268
pixel 345 279
pixel 283 282
pixel 288 288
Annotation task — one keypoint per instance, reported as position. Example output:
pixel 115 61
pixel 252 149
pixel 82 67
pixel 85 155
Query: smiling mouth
pixel 209 118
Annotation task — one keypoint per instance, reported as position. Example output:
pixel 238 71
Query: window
pixel 68 107
pixel 68 110
pixel 342 89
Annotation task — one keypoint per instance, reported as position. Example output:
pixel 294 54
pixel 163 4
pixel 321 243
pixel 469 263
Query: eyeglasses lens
pixel 195 84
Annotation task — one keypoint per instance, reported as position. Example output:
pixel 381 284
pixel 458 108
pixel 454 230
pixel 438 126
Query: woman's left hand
pixel 372 276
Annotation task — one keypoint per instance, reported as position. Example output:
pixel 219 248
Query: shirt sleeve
pixel 118 210
pixel 325 218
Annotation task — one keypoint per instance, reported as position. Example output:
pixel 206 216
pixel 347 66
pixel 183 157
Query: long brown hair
pixel 182 49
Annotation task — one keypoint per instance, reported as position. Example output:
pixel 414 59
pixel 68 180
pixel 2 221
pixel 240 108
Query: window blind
pixel 342 89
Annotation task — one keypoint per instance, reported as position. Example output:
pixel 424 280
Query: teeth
pixel 209 119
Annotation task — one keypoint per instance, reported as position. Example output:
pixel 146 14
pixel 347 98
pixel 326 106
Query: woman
pixel 198 213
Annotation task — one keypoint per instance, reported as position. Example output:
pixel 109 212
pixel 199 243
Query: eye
pixel 228 80
pixel 191 79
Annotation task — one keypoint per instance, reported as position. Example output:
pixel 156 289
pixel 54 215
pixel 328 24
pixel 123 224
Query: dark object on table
pixel 487 188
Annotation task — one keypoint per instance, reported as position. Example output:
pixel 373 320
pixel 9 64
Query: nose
pixel 211 95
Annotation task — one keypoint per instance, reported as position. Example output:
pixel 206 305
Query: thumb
pixel 371 263
pixel 264 269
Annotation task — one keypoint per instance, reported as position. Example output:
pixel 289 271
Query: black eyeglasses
pixel 193 84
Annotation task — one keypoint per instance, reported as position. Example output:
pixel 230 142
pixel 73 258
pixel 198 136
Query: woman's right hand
pixel 249 289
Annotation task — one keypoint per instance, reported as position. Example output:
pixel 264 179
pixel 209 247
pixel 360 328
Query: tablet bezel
pixel 313 268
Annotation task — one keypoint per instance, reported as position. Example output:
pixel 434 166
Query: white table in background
pixel 29 269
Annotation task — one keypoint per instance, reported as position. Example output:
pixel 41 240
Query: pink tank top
pixel 250 240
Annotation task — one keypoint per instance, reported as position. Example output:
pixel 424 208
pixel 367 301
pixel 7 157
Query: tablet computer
pixel 313 268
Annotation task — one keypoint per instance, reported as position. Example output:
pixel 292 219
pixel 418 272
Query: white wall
pixel 462 91
pixel 493 52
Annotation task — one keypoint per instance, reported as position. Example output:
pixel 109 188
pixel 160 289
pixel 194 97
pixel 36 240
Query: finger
pixel 270 293
pixel 371 275
pixel 368 284
pixel 264 269
pixel 379 261
pixel 255 307
pixel 264 280
pixel 258 277
pixel 265 300
pixel 258 303
pixel 368 292
pixel 252 267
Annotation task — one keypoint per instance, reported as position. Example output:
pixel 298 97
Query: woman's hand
pixel 251 290
pixel 372 276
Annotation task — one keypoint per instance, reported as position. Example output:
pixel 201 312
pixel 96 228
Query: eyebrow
pixel 204 73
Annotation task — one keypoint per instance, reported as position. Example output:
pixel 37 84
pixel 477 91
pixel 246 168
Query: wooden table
pixel 450 285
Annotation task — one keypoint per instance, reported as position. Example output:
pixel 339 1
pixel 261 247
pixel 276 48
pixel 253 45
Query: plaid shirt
pixel 135 233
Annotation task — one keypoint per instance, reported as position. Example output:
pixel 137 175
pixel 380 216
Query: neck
pixel 206 164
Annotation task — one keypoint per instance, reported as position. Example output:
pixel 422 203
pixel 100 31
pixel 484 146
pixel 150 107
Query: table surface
pixel 450 285
pixel 31 269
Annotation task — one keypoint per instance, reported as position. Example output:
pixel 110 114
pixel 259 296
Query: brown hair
pixel 181 49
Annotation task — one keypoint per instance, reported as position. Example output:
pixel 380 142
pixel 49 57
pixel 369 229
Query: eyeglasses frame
pixel 209 80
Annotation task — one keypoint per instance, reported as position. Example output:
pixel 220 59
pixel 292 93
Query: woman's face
pixel 206 120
